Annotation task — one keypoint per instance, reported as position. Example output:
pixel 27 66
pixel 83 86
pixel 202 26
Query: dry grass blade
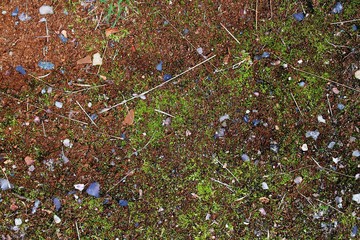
pixel 86 113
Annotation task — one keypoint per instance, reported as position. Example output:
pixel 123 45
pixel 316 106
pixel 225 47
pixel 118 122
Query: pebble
pixel 167 77
pixel 123 203
pixel 15 12
pixel 274 147
pixel 45 9
pixel 255 122
pixel 31 168
pixel 264 186
pixel 265 55
pixel 63 38
pixel 298 180
pixel 354 231
pixel 301 84
pixel 331 145
pixel 5 184
pixel 159 66
pixel 337 8
pixel 3 12
pixel 199 50
pixel 24 17
pixel 46 65
pixel 94 189
pixel 245 157
pixel 335 90
pixel 18 221
pixel 304 147
pixel 356 153
pixel 314 134
pixel 356 198
pixel 57 203
pixel 299 16
pixel 35 207
pixel 341 106
pixel 336 160
pixel 97 60
pixel 58 104
pixel 20 70
pixel 246 118
pixel 224 117
pixel 57 220
pixel 79 187
pixel 67 143
pixel 321 119
pixel 357 74
pixel 185 31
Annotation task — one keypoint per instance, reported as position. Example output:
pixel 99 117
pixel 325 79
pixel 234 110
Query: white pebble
pixel 18 221
pixel 356 153
pixel 224 117
pixel 356 198
pixel 58 104
pixel 336 160
pixel 264 186
pixel 357 74
pixel 321 119
pixel 57 219
pixel 304 147
pixel 46 10
pixel 79 187
pixel 67 143
pixel 298 180
pixel 97 60
pixel 331 145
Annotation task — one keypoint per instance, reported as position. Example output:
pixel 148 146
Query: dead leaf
pixel 29 161
pixel 264 200
pixel 226 59
pixel 110 31
pixel 84 60
pixel 129 119
pixel 102 77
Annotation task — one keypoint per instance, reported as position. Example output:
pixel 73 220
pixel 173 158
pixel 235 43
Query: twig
pixel 348 21
pixel 86 114
pixel 256 15
pixel 165 113
pixel 43 127
pixel 329 206
pixel 330 170
pixel 327 97
pixel 128 174
pixel 271 12
pixel 296 104
pixel 81 90
pixel 97 25
pixel 39 79
pixel 307 199
pixel 156 87
pixel 77 230
pixel 230 34
pixel 282 200
pixel 223 166
pixel 224 184
pixel 103 56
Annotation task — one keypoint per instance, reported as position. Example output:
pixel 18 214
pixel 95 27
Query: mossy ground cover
pixel 215 153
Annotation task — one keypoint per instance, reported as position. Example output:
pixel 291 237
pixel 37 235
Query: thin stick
pixel 156 87
pixel 103 56
pixel 37 78
pixel 329 80
pixel 271 12
pixel 348 21
pixel 128 174
pixel 165 113
pixel 296 104
pixel 97 25
pixel 81 90
pixel 329 206
pixel 86 114
pixel 256 15
pixel 77 230
pixel 330 170
pixel 43 127
pixel 230 34
pixel 327 97
pixel 224 184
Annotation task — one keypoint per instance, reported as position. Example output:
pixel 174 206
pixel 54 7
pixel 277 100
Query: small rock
pixel 58 104
pixel 354 27
pixel 321 119
pixel 94 189
pixel 199 50
pixel 64 157
pixel 335 90
pixel 224 117
pixel 245 157
pixel 24 17
pixel 331 145
pixel 262 211
pixel 46 65
pixel 299 16
pixel 298 180
pixel 301 84
pixel 79 187
pixel 57 204
pixel 167 77
pixel 336 160
pixel 63 39
pixel 159 66
pixel 18 221
pixel 265 55
pixel 357 74
pixel 274 147
pixel 337 8
pixel 356 153
pixel 15 12
pixel 255 122
pixel 57 220
pixel 123 203
pixel 43 10
pixel 185 31
pixel 356 198
pixel 357 176
pixel 314 134
pixel 354 231
pixel 341 106
pixel 20 70
pixel 246 118
pixel 31 168
pixel 97 60
pixel 304 147
pixel 67 143
pixel 5 184
pixel 35 207
pixel 264 186
pixel 338 201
